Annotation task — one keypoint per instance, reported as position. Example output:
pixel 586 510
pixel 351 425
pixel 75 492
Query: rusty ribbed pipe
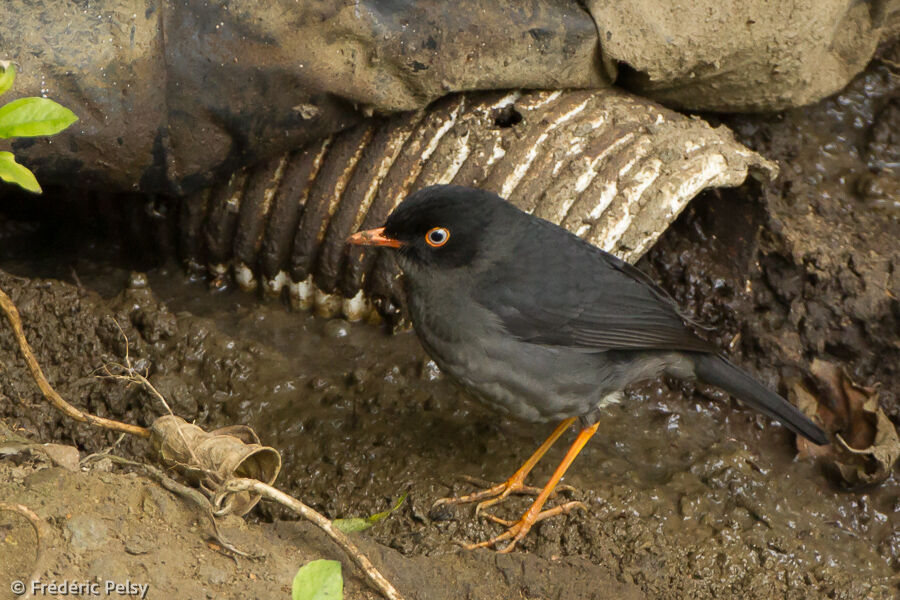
pixel 613 168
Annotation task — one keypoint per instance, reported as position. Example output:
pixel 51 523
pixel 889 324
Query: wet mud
pixel 689 494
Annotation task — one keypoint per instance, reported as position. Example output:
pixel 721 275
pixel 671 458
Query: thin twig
pixel 132 375
pixel 41 531
pixel 103 453
pixel 376 579
pixel 12 314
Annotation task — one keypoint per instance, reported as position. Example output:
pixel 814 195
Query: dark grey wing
pixel 581 297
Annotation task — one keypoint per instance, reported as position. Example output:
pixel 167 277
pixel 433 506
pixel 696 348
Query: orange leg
pixel 520 528
pixel 516 483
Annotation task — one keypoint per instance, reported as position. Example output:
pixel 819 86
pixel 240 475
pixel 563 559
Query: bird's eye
pixel 437 236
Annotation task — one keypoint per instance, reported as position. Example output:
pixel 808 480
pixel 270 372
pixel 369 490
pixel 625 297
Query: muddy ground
pixel 689 495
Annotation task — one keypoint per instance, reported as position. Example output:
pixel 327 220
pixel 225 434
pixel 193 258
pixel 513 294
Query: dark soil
pixel 689 494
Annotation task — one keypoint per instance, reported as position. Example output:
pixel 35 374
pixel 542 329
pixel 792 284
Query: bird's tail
pixel 716 370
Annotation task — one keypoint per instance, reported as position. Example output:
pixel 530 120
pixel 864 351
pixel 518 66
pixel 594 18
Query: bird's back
pixel 559 290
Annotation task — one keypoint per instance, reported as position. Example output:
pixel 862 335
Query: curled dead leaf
pixel 867 445
pixel 211 458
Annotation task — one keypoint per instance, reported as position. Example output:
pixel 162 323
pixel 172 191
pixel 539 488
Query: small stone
pixel 307 111
pixel 137 281
pixel 212 574
pixel 63 456
pixel 139 545
pixel 102 465
pixel 87 533
pixel 337 328
pixel 430 371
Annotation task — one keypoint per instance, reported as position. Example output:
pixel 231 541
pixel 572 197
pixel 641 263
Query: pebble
pixel 87 533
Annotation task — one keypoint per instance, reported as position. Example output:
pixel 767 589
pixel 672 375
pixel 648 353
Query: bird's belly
pixel 527 381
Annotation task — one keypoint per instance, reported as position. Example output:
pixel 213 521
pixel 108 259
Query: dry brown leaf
pixel 867 442
pixel 809 406
pixel 210 458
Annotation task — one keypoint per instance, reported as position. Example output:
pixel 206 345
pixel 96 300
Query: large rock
pixel 173 95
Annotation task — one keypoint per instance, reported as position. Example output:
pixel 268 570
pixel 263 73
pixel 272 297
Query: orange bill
pixel 373 237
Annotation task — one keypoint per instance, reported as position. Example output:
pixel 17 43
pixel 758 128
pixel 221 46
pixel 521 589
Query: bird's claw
pixel 495 494
pixel 519 529
pixel 516 532
pixel 496 519
pixel 474 497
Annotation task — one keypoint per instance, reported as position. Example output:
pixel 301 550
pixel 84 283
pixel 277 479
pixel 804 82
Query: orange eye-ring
pixel 437 236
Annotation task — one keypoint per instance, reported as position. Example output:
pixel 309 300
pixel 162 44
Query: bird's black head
pixel 443 226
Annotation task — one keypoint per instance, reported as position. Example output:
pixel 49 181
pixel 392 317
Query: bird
pixel 543 326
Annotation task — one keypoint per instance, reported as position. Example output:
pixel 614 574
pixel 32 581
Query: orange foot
pixel 496 494
pixel 519 529
pixel 515 484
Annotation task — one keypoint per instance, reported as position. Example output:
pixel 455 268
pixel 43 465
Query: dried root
pixel 41 532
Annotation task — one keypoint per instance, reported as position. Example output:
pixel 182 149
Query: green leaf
pixel 7 75
pixel 29 117
pixel 13 172
pixel 318 580
pixel 363 523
